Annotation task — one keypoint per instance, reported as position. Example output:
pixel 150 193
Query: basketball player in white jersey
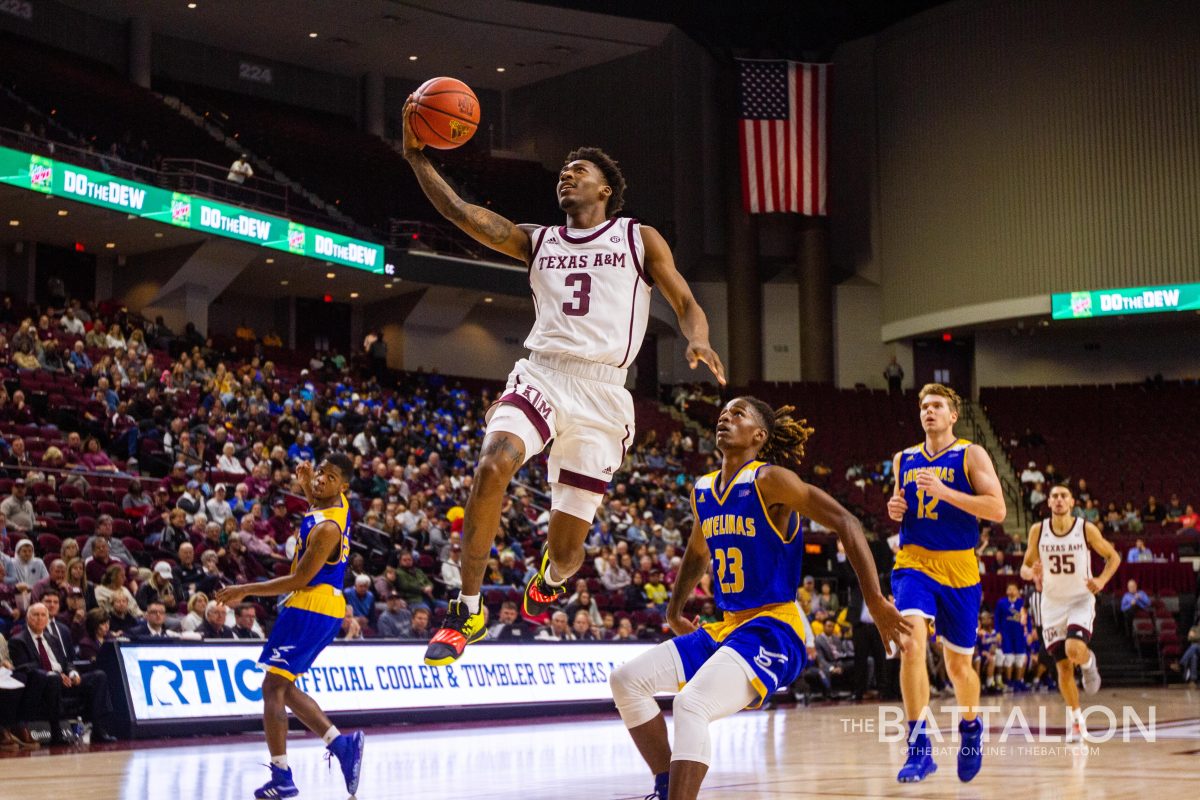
pixel 1058 559
pixel 591 281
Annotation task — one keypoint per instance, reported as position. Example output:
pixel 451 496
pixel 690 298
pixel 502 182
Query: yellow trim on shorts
pixel 957 569
pixel 786 613
pixel 281 672
pixel 321 599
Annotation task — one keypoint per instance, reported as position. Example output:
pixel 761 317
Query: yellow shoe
pixel 459 629
pixel 540 595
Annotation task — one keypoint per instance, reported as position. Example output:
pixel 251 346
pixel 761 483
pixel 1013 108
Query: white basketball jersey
pixel 591 292
pixel 1066 564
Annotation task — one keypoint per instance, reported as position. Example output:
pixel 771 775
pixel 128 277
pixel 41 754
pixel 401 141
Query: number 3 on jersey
pixel 581 301
pixel 729 563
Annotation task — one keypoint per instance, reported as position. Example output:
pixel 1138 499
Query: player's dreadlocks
pixel 786 436
pixel 612 175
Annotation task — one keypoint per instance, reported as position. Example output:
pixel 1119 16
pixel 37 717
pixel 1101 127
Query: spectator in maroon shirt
pixel 176 482
pixel 280 525
pixel 100 560
pixel 55 583
pixel 96 459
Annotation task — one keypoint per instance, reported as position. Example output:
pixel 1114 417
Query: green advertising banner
pixel 1137 300
pixel 48 176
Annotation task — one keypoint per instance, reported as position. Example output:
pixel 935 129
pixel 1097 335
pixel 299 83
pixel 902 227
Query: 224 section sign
pixel 45 175
pixel 177 682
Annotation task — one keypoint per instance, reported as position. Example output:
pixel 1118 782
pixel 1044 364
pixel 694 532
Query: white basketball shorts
pixel 1065 620
pixel 582 406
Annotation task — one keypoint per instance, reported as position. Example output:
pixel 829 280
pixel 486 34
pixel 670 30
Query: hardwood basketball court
pixel 791 752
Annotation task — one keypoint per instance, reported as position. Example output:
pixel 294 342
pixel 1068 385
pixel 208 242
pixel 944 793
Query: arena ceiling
pixel 530 41
pixel 468 38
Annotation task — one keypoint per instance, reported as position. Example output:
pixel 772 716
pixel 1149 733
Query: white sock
pixel 471 601
pixel 550 579
pixel 1091 664
pixel 331 734
pixel 279 761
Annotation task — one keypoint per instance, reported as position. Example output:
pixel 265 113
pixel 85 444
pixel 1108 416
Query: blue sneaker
pixel 970 756
pixel 280 785
pixel 660 787
pixel 920 764
pixel 348 749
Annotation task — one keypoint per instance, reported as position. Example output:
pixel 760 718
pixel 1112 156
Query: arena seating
pixel 1129 441
pixel 98 104
pixel 363 175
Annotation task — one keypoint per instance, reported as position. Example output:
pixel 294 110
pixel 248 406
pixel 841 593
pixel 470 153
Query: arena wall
pixel 1021 148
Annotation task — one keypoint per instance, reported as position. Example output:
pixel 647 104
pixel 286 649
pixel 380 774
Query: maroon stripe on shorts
pixel 530 412
pixel 624 446
pixel 569 478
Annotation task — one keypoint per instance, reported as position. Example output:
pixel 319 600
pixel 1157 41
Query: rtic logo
pixel 166 683
pixel 466 105
pixel 460 130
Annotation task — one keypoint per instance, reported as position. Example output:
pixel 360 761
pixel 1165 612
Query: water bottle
pixel 77 730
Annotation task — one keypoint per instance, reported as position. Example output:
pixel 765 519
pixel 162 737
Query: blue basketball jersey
pixel 1008 622
pixel 755 563
pixel 333 570
pixel 929 522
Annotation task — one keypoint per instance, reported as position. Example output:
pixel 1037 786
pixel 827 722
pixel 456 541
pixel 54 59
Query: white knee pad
pixel 576 502
pixel 635 683
pixel 719 689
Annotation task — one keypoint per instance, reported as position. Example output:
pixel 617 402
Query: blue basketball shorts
pixel 955 611
pixel 297 639
pixel 771 652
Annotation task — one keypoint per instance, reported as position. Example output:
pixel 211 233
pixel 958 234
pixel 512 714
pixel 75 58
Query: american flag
pixel 783 110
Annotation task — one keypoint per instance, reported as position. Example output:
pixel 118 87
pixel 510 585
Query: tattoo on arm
pixel 491 226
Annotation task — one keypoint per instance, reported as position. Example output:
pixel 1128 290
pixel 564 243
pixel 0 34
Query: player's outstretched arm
pixel 1112 559
pixel 692 321
pixel 696 562
pixel 988 500
pixel 783 487
pixel 322 540
pixel 486 227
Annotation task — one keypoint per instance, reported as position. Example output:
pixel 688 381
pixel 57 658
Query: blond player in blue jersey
pixel 747 531
pixel 944 486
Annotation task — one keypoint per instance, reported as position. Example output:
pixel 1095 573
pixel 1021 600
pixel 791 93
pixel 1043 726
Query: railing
pixel 84 157
pixel 211 180
pixel 408 234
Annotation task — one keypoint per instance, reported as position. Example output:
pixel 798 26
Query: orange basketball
pixel 446 113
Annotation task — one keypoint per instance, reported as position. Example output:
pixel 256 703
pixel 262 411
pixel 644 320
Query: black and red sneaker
pixel 459 629
pixel 540 595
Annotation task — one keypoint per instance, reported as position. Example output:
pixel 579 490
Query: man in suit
pixel 42 656
pixel 153 625
pixel 214 626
